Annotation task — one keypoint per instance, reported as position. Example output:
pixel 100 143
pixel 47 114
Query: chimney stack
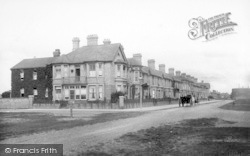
pixel 162 68
pixel 151 64
pixel 56 53
pixel 92 40
pixel 183 74
pixel 178 73
pixel 171 71
pixel 138 57
pixel 76 42
pixel 106 41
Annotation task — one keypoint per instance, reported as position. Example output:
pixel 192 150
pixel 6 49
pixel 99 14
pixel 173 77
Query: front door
pixel 72 94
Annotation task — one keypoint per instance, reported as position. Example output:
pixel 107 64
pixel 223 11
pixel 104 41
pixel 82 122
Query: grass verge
pixel 15 124
pixel 190 137
pixel 238 105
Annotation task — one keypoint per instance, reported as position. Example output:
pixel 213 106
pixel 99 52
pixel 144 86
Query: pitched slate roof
pixel 167 76
pixel 34 63
pixel 119 61
pixel 145 70
pixel 90 53
pixel 156 73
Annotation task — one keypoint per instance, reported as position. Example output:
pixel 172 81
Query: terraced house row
pixel 94 72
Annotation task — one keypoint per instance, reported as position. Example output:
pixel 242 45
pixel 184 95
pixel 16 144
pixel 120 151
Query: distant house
pixel 95 71
pixel 240 93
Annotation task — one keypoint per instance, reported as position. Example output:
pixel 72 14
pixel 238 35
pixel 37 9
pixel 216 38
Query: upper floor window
pixel 136 76
pixel 22 92
pixel 118 70
pixel 66 70
pixel 34 75
pixel 124 71
pixel 58 72
pixel 119 88
pixel 100 65
pixel 21 75
pixel 92 72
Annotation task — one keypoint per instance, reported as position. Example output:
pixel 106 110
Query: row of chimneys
pixel 91 40
pixel 151 65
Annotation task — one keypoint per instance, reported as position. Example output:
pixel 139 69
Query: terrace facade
pixel 95 71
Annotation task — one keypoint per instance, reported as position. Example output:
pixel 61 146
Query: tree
pixel 6 94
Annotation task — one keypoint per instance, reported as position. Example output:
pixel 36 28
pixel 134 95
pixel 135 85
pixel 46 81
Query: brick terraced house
pixel 94 72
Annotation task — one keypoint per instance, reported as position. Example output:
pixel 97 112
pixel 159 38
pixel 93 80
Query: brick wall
pixel 44 80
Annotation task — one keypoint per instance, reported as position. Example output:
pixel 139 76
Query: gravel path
pixel 80 138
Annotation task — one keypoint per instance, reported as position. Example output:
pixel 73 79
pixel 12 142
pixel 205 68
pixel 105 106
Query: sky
pixel 158 29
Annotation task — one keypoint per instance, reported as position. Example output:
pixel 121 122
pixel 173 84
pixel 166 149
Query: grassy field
pixel 238 105
pixel 190 137
pixel 19 123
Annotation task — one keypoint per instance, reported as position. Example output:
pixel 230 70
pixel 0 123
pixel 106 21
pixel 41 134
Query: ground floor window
pixel 35 91
pixel 153 94
pixel 75 92
pixel 92 92
pixel 46 92
pixel 100 92
pixel 72 94
pixel 22 92
pixel 58 92
pixel 83 92
pixel 66 92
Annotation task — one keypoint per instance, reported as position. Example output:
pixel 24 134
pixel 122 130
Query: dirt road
pixel 80 138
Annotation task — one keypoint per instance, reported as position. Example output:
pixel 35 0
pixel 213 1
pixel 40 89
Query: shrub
pixel 115 96
pixel 6 94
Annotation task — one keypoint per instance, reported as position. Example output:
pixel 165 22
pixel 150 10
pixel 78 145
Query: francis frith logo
pixel 211 28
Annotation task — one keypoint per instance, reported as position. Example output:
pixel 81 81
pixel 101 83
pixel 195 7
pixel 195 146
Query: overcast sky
pixel 155 28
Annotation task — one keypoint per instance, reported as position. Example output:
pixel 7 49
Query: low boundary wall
pixel 16 103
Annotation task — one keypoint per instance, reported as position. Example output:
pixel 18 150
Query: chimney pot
pixel 178 73
pixel 138 57
pixel 92 40
pixel 76 42
pixel 151 64
pixel 106 41
pixel 162 68
pixel 56 53
pixel 171 71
